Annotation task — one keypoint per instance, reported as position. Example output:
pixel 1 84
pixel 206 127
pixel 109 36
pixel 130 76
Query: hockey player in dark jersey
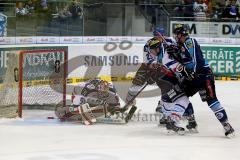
pixel 196 74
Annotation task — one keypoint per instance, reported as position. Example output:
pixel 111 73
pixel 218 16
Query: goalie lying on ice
pixel 96 98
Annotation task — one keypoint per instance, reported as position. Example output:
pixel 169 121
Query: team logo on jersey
pixel 189 44
pixel 219 115
pixel 90 86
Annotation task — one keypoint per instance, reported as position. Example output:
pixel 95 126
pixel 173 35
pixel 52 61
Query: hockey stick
pixel 168 44
pixel 133 108
pixel 109 120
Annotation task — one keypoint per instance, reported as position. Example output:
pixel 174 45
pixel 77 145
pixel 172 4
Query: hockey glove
pixel 142 76
pixel 173 52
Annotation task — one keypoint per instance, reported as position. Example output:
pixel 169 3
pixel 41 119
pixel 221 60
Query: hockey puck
pixel 50 117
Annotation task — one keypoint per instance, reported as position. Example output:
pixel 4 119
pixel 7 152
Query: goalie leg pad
pixel 86 113
pixel 69 113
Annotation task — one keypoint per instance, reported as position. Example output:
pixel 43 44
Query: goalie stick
pixel 109 120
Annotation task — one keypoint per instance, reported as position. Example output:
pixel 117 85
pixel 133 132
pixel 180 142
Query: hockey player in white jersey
pixel 168 61
pixel 174 99
pixel 96 98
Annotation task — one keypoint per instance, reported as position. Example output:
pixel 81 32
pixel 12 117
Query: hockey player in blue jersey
pixel 196 75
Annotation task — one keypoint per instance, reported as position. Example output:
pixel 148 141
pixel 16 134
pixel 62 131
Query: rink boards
pixel 118 61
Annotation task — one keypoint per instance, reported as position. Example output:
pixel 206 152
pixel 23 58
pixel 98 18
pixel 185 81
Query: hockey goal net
pixel 32 79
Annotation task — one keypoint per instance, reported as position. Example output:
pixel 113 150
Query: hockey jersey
pixel 192 56
pixel 163 57
pixel 165 80
pixel 90 93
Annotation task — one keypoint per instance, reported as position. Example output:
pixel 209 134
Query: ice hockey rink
pixel 37 138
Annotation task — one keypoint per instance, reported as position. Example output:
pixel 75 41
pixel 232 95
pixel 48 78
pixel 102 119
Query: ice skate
pixel 171 126
pixel 229 131
pixel 192 124
pixel 163 119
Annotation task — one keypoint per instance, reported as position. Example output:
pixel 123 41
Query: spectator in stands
pixel 200 10
pixel 188 9
pixel 44 4
pixel 30 6
pixel 184 9
pixel 217 7
pixel 179 9
pixel 75 9
pixel 227 2
pixel 64 14
pixel 231 10
pixel 21 10
pixel 216 12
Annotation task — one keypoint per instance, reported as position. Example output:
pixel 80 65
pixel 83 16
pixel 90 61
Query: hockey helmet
pixel 103 86
pixel 154 43
pixel 180 29
pixel 158 30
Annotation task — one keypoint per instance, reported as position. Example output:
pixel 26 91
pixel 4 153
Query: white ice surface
pixel 37 138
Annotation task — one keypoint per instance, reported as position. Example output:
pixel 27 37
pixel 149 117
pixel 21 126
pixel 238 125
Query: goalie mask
pixel 103 88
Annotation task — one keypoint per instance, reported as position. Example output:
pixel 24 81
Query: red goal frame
pixel 20 85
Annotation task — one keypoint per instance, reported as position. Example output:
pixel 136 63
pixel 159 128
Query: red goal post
pixel 36 78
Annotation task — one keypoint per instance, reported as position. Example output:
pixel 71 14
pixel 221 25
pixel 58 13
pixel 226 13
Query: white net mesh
pixel 43 76
pixel 9 84
pixel 42 79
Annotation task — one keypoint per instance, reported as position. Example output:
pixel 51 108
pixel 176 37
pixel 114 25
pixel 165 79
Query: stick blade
pixel 130 114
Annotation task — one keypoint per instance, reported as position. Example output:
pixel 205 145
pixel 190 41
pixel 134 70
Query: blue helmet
pixel 158 30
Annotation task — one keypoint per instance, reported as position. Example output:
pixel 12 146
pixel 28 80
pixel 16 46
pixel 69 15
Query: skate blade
pixel 231 135
pixel 171 132
pixel 181 132
pixel 161 125
pixel 193 131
